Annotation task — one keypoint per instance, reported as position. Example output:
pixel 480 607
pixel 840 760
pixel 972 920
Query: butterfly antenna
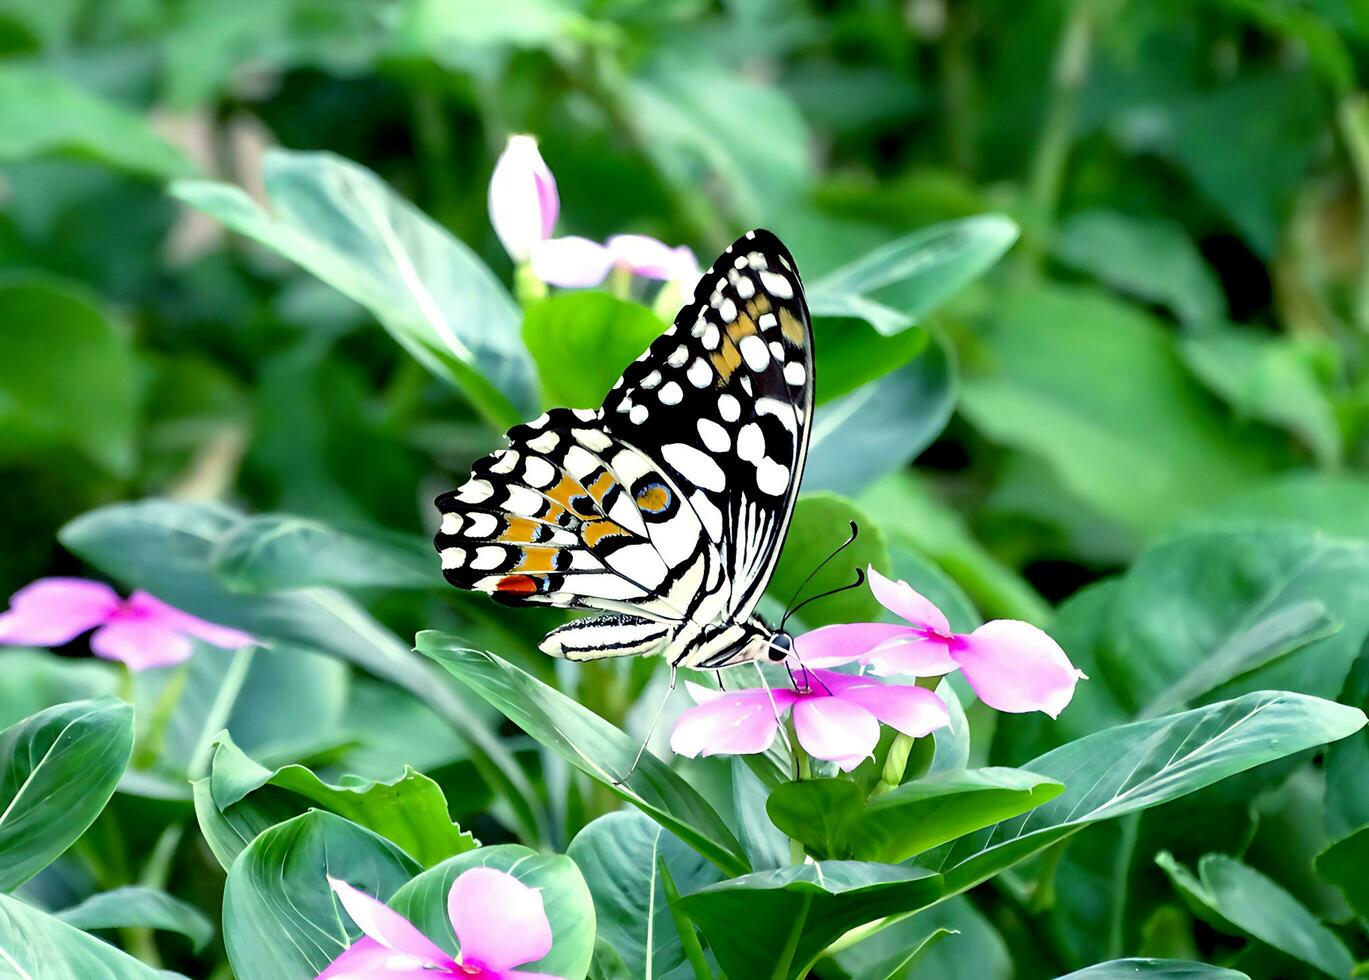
pixel 655 720
pixel 791 608
pixel 860 580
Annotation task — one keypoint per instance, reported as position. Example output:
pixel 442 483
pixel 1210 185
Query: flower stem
pixel 155 733
pixel 527 288
pixel 785 960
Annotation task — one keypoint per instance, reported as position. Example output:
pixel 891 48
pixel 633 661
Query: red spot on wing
pixel 518 584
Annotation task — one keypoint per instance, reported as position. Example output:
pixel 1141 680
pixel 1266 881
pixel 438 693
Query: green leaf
pixel 58 769
pixel 37 679
pixel 67 373
pixel 1095 388
pixel 569 907
pixel 165 547
pixel 1149 969
pixel 1133 767
pixel 1345 864
pixel 880 427
pixel 618 854
pixel 1151 258
pixel 821 522
pixel 591 745
pixel 766 845
pixel 139 907
pixel 581 342
pixel 436 298
pixel 902 963
pixel 274 552
pixel 1337 504
pixel 799 911
pixel 1228 893
pixel 34 944
pixel 280 919
pixel 966 947
pixel 42 111
pixel 897 284
pixel 239 799
pixel 1271 379
pixel 833 818
pixel 701 123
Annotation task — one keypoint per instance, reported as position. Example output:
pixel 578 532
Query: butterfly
pixel 666 509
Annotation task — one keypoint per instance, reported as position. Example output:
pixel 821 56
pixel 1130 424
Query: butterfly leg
pixel 655 720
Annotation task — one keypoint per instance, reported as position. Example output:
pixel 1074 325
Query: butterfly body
pixel 665 509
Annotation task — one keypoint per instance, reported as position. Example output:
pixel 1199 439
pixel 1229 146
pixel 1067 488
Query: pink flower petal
pixel 735 723
pixel 524 975
pixel 499 921
pixel 900 599
pixel 644 255
pixel 837 730
pixel 140 645
pixel 150 609
pixel 832 646
pixel 687 270
pixel 915 656
pixel 1016 667
pixel 388 928
pixel 366 959
pixel 53 611
pixel 523 201
pixel 571 262
pixel 912 710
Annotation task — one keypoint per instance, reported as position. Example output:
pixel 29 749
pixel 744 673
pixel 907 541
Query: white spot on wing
pixel 772 477
pixel 453 557
pixel 475 491
pixel 700 374
pixel 754 353
pixel 696 467
pixel 545 443
pixel 487 557
pixel 729 408
pixel 538 472
pixel 795 373
pixel 638 415
pixel 714 436
pixel 670 394
pixel 751 443
pixel 777 285
pixel 678 356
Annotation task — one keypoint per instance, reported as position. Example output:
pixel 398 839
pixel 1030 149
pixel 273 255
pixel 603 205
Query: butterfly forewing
pixel 667 507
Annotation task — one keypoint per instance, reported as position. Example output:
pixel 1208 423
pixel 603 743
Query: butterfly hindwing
pixel 667 508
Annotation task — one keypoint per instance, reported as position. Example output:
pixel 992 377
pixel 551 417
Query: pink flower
pixel 141 630
pixel 499 922
pixel 524 206
pixel 1012 666
pixel 836 718
pixel 523 201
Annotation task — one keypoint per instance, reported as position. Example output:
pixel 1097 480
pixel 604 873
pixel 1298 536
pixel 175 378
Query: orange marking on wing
pixel 537 560
pixel 602 484
pixel 653 498
pixel 521 530
pixel 741 327
pixel 759 305
pixel 792 329
pixel 726 360
pixel 596 531
pixel 517 584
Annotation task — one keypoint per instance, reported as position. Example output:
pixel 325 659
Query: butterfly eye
pixel 780 646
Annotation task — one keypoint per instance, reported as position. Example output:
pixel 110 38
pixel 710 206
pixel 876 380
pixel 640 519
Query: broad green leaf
pixel 953 940
pixel 34 944
pixel 239 799
pixel 912 517
pixel 37 679
pixel 1151 258
pixel 137 906
pixel 1228 893
pixel 67 372
pixel 701 123
pixel 619 855
pixel 1337 504
pixel 436 298
pixel 897 284
pixel 274 552
pixel 165 546
pixel 850 354
pixel 566 899
pixel 832 816
pixel 880 427
pixel 581 342
pixel 591 745
pixel 1133 767
pixel 821 522
pixel 1345 864
pixel 766 845
pixel 1347 793
pixel 58 769
pixel 1151 969
pixel 280 918
pixel 42 112
pixel 1095 388
pixel 1271 379
pixel 777 923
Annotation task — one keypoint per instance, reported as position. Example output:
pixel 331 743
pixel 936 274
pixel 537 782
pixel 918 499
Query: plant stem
pixel 1352 116
pixel 1052 149
pixel 784 962
pixel 217 716
pixel 155 733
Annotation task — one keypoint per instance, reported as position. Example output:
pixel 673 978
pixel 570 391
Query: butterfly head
pixel 780 645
